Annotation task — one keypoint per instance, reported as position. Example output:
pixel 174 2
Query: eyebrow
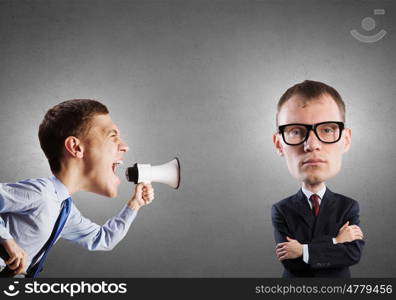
pixel 113 131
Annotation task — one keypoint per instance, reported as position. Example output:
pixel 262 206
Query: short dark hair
pixel 69 118
pixel 310 90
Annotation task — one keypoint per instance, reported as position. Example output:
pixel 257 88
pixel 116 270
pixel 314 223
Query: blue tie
pixel 36 267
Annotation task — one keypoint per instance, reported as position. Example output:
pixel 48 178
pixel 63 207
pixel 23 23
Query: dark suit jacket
pixel 294 218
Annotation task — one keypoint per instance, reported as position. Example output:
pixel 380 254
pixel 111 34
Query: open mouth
pixel 115 165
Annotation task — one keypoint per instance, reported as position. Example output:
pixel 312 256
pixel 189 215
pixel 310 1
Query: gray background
pixel 200 80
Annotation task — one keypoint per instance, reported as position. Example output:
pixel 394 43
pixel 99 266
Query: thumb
pixel 345 225
pixel 289 239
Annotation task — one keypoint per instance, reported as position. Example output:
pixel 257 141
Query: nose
pixel 312 143
pixel 123 147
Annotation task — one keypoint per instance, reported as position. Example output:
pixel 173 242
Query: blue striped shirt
pixel 29 209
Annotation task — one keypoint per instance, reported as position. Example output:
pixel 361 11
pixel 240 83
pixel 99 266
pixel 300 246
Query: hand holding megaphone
pixel 167 173
pixel 143 195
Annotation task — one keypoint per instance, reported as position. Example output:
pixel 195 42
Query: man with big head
pixel 317 231
pixel 84 148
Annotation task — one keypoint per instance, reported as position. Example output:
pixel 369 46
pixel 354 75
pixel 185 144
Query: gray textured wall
pixel 200 80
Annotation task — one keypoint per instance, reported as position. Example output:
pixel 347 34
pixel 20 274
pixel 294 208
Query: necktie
pixel 36 266
pixel 314 199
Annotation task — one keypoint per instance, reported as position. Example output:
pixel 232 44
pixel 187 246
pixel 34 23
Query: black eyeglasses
pixel 326 132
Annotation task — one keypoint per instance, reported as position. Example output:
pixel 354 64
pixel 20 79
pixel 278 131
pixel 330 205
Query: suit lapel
pixel 326 209
pixel 303 208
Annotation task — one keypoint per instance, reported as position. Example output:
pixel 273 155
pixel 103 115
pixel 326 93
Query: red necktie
pixel 315 203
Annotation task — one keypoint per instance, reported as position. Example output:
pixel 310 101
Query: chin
pixel 313 179
pixel 112 193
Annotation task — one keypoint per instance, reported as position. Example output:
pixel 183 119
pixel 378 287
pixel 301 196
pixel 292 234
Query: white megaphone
pixel 168 173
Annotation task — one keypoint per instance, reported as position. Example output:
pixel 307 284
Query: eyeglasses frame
pixel 309 127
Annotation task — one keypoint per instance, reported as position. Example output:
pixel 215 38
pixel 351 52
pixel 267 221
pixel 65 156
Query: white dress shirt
pixel 308 194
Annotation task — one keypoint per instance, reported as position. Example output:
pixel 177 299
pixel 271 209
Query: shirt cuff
pixel 305 253
pixel 334 241
pixel 4 234
pixel 127 214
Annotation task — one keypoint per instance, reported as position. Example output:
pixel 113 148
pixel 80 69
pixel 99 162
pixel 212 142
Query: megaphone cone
pixel 167 173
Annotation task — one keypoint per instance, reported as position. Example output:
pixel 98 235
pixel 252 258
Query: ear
pixel 277 143
pixel 73 147
pixel 347 139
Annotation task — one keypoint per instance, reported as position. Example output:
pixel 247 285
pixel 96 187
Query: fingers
pixel 15 263
pixel 147 187
pixel 355 227
pixel 358 237
pixel 22 266
pixel 349 226
pixel 288 250
pixel 18 263
pixel 11 260
pixel 283 257
pixel 17 260
pixel 281 245
pixel 147 193
pixel 144 194
pixel 281 253
pixel 353 232
pixel 280 248
pixel 357 233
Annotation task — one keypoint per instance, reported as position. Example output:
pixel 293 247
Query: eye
pixel 296 131
pixel 113 133
pixel 328 130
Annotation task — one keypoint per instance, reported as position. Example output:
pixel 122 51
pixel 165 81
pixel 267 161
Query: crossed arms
pixel 324 251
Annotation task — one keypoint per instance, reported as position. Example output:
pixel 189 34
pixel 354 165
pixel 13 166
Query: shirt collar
pixel 60 189
pixel 308 193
